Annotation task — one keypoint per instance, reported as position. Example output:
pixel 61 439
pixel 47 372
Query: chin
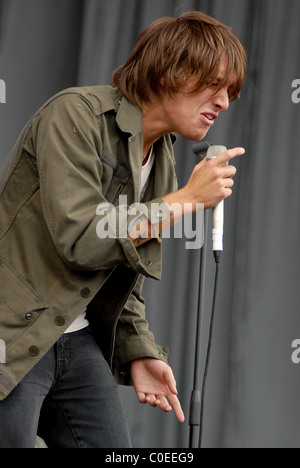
pixel 195 134
pixel 199 136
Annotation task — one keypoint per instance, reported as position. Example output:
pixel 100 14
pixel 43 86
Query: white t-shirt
pixel 146 172
pixel 81 322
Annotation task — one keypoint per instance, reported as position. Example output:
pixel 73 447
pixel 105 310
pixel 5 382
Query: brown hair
pixel 191 46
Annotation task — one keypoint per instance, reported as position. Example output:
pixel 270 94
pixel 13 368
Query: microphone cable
pixel 217 256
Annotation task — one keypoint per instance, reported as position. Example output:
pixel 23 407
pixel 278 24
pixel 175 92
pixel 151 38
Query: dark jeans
pixel 69 398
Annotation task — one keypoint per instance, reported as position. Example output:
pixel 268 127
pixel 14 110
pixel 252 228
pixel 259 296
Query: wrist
pixel 181 203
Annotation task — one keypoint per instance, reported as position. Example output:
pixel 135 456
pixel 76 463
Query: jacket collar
pixel 129 117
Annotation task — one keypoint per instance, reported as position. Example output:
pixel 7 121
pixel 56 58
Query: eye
pixel 212 83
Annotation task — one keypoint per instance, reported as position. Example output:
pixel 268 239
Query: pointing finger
pixel 228 155
pixel 174 402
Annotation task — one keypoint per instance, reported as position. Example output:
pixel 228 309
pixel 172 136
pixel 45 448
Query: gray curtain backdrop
pixel 252 397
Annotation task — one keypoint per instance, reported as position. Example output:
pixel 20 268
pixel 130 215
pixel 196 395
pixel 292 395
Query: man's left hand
pixel 155 384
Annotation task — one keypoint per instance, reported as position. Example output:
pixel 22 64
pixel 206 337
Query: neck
pixel 154 126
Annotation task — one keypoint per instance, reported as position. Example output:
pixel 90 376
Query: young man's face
pixel 193 114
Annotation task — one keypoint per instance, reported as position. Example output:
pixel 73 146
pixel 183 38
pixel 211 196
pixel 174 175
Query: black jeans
pixel 69 398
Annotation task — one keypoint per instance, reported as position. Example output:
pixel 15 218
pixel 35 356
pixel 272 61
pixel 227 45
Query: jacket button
pixel 29 316
pixel 60 321
pixel 33 351
pixel 85 293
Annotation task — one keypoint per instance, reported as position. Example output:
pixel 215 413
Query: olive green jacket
pixel 81 149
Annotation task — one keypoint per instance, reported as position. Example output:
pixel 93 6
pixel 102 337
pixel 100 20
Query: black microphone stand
pixel 200 149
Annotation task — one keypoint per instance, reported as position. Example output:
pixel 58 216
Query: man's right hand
pixel 210 182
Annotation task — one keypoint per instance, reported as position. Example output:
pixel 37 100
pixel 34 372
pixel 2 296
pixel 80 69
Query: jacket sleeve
pixel 134 340
pixel 68 150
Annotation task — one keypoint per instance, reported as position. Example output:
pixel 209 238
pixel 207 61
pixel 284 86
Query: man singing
pixel 71 311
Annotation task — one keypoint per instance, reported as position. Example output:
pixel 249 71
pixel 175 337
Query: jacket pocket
pixel 17 297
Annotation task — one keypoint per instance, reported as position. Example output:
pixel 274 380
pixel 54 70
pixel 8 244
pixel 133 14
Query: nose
pixel 221 100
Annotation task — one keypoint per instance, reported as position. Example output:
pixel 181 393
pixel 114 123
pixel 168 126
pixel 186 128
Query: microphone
pixel 218 211
pixel 200 148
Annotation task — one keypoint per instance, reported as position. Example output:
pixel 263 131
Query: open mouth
pixel 209 118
